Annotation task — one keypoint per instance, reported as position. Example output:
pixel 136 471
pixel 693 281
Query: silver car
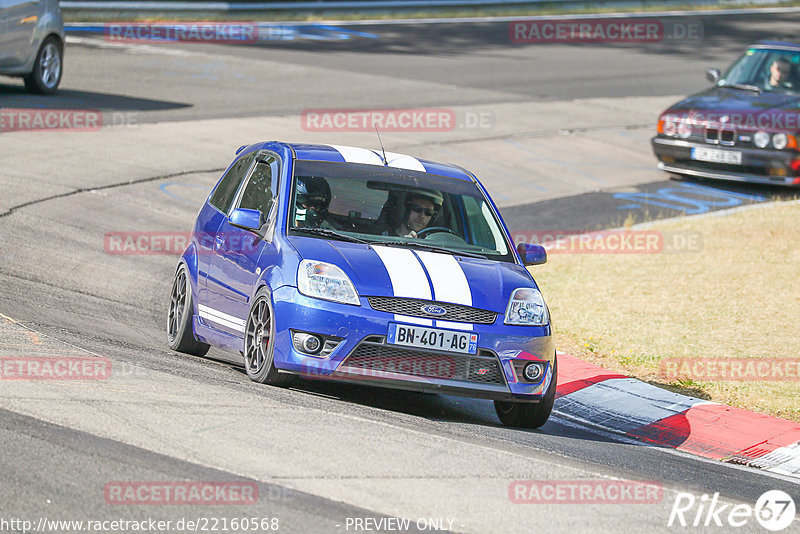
pixel 32 43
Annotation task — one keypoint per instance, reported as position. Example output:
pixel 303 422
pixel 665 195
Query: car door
pixel 21 18
pixel 209 220
pixel 235 258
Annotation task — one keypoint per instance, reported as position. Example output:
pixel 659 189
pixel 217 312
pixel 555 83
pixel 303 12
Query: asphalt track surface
pixel 320 453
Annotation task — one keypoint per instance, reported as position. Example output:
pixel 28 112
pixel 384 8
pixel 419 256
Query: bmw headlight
pixel 325 281
pixel 684 129
pixel 779 140
pixel 527 307
pixel 761 139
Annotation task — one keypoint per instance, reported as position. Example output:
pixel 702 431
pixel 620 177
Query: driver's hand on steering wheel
pixel 412 233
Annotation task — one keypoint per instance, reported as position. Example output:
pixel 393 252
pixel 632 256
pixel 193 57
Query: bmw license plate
pixel 715 155
pixel 433 338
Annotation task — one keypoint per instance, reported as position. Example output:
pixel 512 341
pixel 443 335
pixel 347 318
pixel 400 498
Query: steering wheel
pixel 425 231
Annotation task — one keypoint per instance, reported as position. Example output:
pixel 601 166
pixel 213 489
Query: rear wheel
pixel 46 74
pixel 529 414
pixel 259 344
pixel 179 317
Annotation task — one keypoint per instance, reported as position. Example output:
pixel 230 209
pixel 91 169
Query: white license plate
pixel 715 155
pixel 432 338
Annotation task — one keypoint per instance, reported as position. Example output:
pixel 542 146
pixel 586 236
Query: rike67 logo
pixel 774 510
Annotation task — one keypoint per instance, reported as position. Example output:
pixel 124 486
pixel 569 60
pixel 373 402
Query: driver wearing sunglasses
pixel 421 208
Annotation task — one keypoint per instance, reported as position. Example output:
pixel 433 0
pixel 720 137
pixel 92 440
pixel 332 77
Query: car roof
pixel 776 44
pixel 347 154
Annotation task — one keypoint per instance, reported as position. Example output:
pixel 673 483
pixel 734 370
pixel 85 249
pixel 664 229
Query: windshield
pixel 394 207
pixel 766 69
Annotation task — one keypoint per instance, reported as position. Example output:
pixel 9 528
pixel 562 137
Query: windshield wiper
pixel 430 247
pixel 742 86
pixel 331 233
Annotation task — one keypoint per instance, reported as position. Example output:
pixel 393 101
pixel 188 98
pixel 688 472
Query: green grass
pixel 736 297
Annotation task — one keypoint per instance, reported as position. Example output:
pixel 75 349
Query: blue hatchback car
pixel 351 264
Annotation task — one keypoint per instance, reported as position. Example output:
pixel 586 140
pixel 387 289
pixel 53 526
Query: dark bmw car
pixel 745 127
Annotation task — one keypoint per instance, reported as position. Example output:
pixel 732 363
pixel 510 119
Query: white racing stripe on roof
pixel 402 161
pixel 352 154
pixel 449 283
pixel 407 277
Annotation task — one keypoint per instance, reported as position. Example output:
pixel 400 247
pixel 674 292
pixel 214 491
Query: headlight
pixel 669 127
pixel 684 129
pixel 779 140
pixel 527 307
pixel 325 281
pixel 761 139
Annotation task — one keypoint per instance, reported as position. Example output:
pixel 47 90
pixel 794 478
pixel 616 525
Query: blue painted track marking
pixel 684 197
pixel 266 32
pixel 166 186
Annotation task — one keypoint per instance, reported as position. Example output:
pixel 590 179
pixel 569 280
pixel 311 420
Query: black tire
pixel 529 414
pixel 180 334
pixel 259 343
pixel 47 68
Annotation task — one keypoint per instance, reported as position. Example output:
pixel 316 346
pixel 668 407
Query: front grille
pixel 413 307
pixel 719 135
pixel 483 368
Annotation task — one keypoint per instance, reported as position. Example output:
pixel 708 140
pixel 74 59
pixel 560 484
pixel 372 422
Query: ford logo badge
pixel 432 309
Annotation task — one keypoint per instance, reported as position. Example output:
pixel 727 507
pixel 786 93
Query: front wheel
pixel 46 74
pixel 179 317
pixel 529 414
pixel 259 344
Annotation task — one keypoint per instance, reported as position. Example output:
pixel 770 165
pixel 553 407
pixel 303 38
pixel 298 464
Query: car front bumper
pixel 763 166
pixel 364 356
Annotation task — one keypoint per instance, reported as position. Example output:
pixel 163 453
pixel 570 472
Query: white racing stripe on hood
pixel 407 277
pixel 449 283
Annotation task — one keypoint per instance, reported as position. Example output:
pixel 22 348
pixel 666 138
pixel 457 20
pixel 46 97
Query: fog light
pixel 308 343
pixel 777 171
pixel 311 344
pixel 532 372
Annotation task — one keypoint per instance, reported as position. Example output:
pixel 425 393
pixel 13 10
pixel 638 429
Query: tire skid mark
pixel 12 209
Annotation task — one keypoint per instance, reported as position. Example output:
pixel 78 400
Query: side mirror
pixel 247 219
pixel 712 75
pixel 532 254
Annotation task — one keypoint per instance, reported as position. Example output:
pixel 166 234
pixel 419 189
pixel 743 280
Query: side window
pixel 222 197
pixel 258 193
